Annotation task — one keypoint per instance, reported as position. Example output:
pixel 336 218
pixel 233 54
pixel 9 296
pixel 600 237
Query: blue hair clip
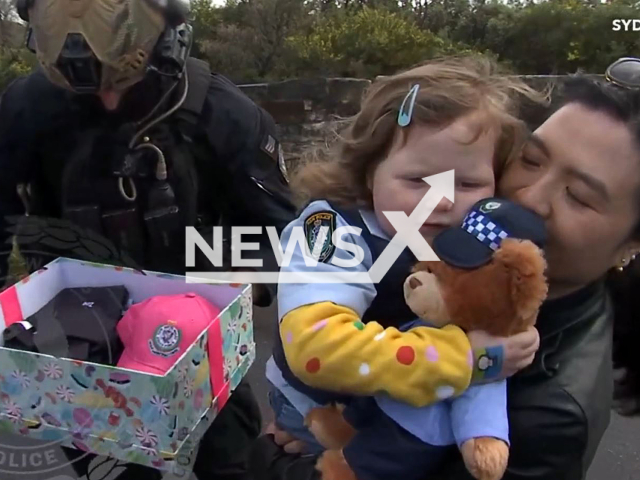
pixel 406 109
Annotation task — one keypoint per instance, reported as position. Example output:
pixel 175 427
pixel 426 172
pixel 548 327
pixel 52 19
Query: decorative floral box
pixel 135 417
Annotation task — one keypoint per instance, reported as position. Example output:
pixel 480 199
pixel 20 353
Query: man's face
pixel 581 172
pixel 110 99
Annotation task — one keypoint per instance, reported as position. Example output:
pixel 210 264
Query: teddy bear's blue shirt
pixel 481 411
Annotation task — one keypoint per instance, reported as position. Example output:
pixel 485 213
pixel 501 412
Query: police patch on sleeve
pixel 318 231
pixel 270 146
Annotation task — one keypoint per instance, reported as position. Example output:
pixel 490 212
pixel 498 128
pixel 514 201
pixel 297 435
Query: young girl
pixel 336 340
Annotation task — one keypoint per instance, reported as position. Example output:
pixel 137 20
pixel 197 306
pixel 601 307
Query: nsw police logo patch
pixel 165 340
pixel 318 231
pixel 489 207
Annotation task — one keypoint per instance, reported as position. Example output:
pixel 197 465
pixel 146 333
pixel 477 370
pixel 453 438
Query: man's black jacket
pixel 235 171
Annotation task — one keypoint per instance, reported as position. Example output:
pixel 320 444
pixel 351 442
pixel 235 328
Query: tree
pixel 272 21
pixel 206 18
pixel 15 60
pixel 249 42
pixel 561 36
pixel 367 43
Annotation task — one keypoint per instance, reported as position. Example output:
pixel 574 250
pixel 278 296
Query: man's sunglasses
pixel 624 72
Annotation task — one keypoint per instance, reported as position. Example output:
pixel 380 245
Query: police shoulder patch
pixel 318 231
pixel 270 146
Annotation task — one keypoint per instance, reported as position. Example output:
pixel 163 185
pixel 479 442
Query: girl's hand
pixel 496 358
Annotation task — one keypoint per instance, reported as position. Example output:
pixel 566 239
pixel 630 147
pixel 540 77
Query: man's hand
pixel 496 358
pixel 288 442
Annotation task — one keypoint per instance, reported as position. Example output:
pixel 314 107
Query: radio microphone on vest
pixel 162 216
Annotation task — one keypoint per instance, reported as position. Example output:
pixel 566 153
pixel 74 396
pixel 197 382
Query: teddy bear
pixel 490 276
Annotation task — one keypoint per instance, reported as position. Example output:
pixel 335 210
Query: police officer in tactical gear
pixel 118 142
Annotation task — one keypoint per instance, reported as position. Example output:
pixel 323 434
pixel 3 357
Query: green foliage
pixel 265 40
pixel 366 43
pixel 247 41
pixel 254 40
pixel 206 18
pixel 14 62
pixel 562 37
pixel 228 54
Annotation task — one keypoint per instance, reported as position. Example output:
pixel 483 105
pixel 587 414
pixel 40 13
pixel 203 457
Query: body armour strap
pixel 198 75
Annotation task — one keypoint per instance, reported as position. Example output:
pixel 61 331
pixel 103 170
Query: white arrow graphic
pixel 407 228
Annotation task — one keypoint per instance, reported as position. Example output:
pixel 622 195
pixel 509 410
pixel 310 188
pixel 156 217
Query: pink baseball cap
pixel 156 332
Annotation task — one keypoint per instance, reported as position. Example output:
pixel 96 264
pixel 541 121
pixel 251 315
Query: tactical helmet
pixel 91 45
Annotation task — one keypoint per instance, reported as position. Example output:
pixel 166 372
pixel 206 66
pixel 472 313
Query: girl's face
pixel 397 184
pixel 581 172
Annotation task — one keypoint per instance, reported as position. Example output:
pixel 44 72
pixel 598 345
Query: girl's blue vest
pixel 388 308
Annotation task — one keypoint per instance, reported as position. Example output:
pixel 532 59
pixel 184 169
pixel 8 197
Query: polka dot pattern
pixel 364 369
pixel 313 365
pixel 379 336
pixel 444 392
pixel 405 355
pixel 432 354
pixel 320 325
pixel 359 325
pixel 289 337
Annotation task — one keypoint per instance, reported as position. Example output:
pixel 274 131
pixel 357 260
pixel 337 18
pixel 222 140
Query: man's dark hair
pixel 624 105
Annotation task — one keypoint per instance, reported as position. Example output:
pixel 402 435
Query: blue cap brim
pixel 458 248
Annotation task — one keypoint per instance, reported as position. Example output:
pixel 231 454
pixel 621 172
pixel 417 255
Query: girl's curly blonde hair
pixel 450 88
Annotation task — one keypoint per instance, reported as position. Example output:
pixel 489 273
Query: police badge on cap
pixel 165 340
pixel 487 224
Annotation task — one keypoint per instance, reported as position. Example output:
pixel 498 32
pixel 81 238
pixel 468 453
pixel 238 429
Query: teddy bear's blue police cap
pixel 487 224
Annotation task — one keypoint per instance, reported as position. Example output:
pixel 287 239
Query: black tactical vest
pixel 388 307
pixel 150 228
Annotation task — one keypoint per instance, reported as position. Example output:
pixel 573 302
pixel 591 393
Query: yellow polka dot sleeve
pixel 327 347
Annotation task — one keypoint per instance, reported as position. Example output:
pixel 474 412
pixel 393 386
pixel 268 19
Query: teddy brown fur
pixel 517 268
pixel 501 298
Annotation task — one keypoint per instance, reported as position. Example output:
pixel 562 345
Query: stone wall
pixel 306 110
pixel 11 34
